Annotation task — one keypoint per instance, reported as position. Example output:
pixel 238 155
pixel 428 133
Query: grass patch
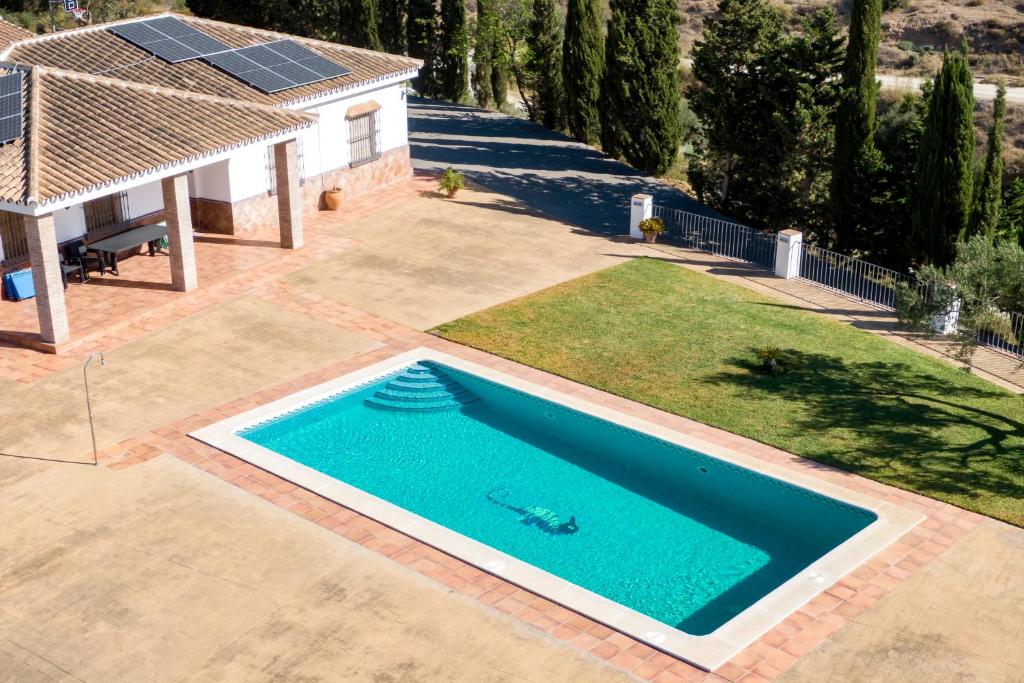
pixel 686 343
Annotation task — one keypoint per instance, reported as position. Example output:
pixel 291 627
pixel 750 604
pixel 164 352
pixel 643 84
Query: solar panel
pixel 276 66
pixel 170 39
pixel 10 107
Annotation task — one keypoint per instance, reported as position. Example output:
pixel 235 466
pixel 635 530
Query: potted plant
pixel 451 182
pixel 651 228
pixel 772 360
pixel 333 198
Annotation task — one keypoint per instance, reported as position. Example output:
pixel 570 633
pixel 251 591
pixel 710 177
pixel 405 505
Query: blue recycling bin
pixel 18 285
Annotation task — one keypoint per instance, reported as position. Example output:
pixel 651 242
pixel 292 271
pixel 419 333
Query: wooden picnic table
pixel 136 237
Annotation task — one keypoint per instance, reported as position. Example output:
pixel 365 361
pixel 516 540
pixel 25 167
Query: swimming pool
pixel 677 543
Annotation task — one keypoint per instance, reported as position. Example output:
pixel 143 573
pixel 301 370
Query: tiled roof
pixel 83 132
pixel 9 33
pixel 96 50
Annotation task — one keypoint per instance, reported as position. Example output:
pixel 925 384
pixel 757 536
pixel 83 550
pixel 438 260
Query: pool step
pixel 422 386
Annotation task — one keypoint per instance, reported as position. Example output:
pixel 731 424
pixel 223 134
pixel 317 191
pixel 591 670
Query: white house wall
pixel 324 147
pixel 69 223
pixel 211 182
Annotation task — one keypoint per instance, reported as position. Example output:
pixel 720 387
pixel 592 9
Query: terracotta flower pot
pixel 333 199
pixel 650 237
pixel 452 192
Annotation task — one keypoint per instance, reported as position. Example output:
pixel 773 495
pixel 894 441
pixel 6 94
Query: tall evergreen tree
pixel 392 26
pixel 989 193
pixel 357 22
pixel 545 64
pixel 499 81
pixel 453 70
pixel 582 64
pixel 483 53
pixel 421 29
pixel 1011 221
pixel 640 98
pixel 945 163
pixel 856 160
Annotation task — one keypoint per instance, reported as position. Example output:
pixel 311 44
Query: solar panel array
pixel 170 39
pixel 276 66
pixel 11 115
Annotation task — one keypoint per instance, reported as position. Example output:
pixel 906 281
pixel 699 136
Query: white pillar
pixel 640 208
pixel 46 276
pixel 787 254
pixel 178 215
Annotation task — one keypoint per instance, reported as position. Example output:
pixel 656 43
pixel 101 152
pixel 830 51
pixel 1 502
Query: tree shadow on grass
pixel 897 419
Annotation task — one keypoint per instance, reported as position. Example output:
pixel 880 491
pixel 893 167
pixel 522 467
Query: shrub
pixel 652 226
pixel 773 360
pixel 452 181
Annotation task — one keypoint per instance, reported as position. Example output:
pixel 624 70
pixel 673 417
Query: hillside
pixel 915 34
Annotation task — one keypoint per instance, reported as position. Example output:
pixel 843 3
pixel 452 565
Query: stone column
pixel 641 207
pixel 289 194
pixel 787 254
pixel 179 233
pixel 46 276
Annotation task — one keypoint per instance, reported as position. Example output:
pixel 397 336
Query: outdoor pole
pixel 88 401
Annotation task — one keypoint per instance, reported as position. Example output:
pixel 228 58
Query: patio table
pixel 136 237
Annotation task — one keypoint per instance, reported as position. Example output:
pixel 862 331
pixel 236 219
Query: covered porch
pixel 127 147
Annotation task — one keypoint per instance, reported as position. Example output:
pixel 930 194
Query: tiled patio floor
pixel 252 268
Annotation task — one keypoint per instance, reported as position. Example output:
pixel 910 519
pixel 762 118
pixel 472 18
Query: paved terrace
pixel 172 561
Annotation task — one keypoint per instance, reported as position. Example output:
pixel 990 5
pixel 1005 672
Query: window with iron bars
pixel 106 216
pixel 364 138
pixel 272 168
pixel 13 242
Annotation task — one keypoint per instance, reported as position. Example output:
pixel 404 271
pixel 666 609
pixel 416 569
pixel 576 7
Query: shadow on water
pixel 897 417
pixel 554 175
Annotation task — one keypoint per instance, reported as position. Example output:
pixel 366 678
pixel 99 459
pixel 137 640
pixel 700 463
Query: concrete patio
pixel 169 562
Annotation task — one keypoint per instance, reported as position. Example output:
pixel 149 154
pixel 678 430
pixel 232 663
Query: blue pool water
pixel 680 536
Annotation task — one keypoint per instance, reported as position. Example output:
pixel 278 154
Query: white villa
pixel 178 120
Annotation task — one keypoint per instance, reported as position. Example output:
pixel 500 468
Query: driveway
pixel 563 179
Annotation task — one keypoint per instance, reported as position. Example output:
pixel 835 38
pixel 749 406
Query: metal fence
pixel 717 236
pixel 1010 340
pixel 860 279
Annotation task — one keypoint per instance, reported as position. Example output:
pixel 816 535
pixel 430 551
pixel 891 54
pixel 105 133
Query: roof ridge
pixel 32 137
pixel 89 28
pixel 145 87
pixel 193 19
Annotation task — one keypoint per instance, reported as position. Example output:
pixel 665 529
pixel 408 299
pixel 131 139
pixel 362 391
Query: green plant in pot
pixel 772 360
pixel 451 182
pixel 651 228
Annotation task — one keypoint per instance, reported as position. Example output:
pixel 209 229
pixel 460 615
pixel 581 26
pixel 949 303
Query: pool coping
pixel 707 652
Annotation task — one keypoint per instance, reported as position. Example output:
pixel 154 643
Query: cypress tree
pixel 483 53
pixel 392 26
pixel 988 198
pixel 640 99
pixel 453 71
pixel 856 159
pixel 945 163
pixel 1011 219
pixel 357 22
pixel 499 81
pixel 582 64
pixel 421 32
pixel 545 64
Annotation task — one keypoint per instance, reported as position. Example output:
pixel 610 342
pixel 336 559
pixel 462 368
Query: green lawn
pixel 684 342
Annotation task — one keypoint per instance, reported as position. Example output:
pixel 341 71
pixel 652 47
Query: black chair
pixel 70 268
pixel 77 252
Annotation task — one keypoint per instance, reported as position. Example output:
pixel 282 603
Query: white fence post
pixel 787 254
pixel 640 208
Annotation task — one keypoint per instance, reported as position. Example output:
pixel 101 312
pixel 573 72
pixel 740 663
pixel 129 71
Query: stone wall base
pixel 255 214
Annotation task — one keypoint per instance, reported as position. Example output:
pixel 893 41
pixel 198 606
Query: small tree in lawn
pixel 640 98
pixel 945 167
pixel 582 65
pixel 988 196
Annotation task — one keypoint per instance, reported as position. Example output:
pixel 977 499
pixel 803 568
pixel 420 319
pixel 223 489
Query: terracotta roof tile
pixel 10 33
pixel 95 50
pixel 82 132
